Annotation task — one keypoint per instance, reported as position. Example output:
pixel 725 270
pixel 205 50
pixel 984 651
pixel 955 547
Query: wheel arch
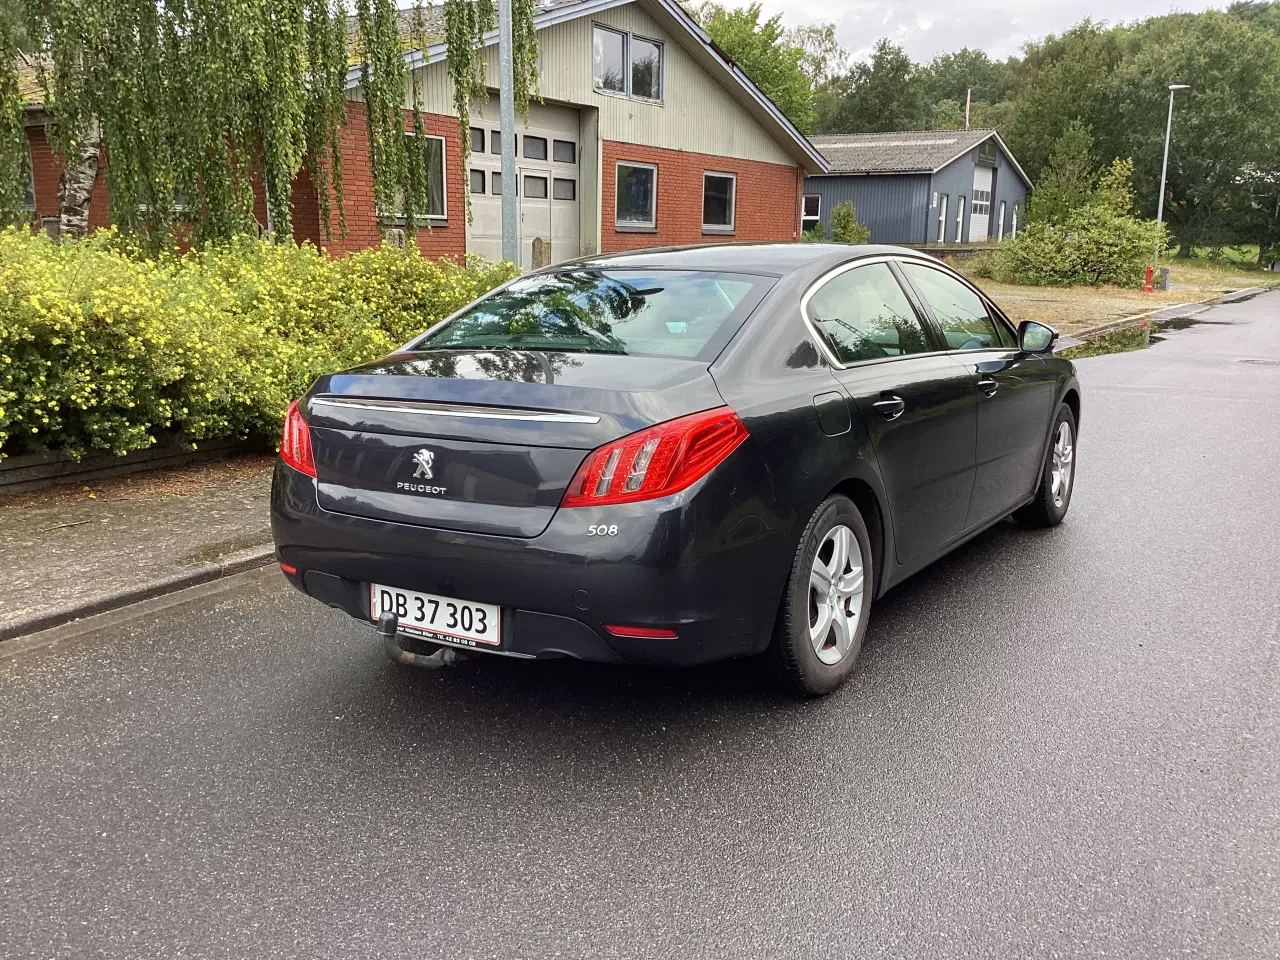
pixel 875 516
pixel 1071 397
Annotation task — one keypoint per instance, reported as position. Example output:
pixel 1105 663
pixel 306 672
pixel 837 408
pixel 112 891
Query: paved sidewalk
pixel 83 548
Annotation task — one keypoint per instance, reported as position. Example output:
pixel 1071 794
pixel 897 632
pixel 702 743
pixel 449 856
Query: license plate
pixel 439 618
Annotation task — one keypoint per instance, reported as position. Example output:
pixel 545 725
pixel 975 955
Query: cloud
pixel 926 28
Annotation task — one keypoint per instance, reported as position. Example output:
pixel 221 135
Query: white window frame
pixel 733 203
pixel 636 226
pixel 942 218
pixel 627 66
pixel 816 218
pixel 1000 228
pixel 960 219
pixel 439 218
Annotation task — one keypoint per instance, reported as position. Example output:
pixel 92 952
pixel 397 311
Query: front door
pixel 1015 392
pixel 918 404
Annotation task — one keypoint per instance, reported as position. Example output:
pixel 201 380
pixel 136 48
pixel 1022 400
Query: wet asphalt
pixel 1061 743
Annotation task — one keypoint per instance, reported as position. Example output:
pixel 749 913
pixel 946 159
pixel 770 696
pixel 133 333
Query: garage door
pixel 547 185
pixel 980 217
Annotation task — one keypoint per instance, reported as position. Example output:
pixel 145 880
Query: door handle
pixel 890 407
pixel 989 386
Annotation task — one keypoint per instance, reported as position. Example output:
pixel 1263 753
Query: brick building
pixel 646 135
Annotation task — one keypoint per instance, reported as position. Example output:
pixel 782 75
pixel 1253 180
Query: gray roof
pixel 908 151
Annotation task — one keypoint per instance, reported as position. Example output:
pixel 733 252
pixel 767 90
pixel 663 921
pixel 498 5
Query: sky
pixel 929 27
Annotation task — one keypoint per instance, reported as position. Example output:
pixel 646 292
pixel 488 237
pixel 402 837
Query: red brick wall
pixel 442 240
pixel 766 205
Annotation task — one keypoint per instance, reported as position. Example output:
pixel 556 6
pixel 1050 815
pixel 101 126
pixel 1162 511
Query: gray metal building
pixel 920 187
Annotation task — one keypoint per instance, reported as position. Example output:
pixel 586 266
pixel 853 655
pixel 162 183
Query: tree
pixel 1061 79
pixel 845 227
pixel 1226 128
pixel 13 26
pixel 196 101
pixel 949 76
pixel 822 57
pixel 1068 183
pixel 884 93
pixel 763 52
pixel 13 136
pixel 1259 13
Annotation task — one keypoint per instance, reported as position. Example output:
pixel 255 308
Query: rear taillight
pixel 657 461
pixel 295 442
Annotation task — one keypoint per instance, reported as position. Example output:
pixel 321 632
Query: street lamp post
pixel 1164 167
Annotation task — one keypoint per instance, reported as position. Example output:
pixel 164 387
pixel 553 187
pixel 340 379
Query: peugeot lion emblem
pixel 422 461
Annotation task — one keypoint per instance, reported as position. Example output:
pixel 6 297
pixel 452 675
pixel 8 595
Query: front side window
pixel 637 195
pixel 717 201
pixel 426 160
pixel 810 210
pixel 627 64
pixel 864 314
pixel 966 322
pixel 665 313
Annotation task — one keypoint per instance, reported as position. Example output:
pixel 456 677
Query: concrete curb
pixel 232 563
pixel 1231 296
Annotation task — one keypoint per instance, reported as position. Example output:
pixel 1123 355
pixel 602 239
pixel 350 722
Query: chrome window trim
pixel 452 410
pixel 843 268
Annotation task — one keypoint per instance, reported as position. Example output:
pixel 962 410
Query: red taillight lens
pixel 642 633
pixel 295 442
pixel 657 461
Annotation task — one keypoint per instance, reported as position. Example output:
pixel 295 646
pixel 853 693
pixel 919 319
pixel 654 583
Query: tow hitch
pixel 388 629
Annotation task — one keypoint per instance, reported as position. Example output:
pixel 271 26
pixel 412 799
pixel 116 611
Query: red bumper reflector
pixel 642 633
pixel 292 571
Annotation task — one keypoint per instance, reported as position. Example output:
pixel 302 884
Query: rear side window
pixel 963 316
pixel 664 313
pixel 865 315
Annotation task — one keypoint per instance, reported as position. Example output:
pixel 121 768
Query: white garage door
pixel 980 215
pixel 547 188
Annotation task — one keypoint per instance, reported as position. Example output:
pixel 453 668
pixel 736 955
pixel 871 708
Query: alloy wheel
pixel 836 584
pixel 1060 471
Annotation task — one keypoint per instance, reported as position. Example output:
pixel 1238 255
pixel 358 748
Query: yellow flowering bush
pixel 101 349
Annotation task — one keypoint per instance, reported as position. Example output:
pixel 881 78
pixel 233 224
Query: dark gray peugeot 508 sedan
pixel 674 456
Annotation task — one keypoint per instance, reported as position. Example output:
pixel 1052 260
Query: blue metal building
pixel 920 186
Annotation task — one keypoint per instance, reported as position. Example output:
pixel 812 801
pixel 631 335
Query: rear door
pixel 1015 391
pixel 918 404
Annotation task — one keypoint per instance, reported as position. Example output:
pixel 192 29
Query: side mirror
pixel 1036 337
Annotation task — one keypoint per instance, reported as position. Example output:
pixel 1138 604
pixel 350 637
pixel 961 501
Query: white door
pixel 980 210
pixel 547 187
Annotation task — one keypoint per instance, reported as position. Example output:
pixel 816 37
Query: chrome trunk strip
pixel 453 410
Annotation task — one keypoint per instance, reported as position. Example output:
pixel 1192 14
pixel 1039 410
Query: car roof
pixel 765 259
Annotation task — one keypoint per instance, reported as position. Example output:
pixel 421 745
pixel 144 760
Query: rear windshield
pixel 663 313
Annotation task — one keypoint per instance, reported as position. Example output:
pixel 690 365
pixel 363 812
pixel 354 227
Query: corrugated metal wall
pixel 893 208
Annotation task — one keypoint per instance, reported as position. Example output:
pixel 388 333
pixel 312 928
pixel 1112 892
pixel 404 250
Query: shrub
pixel 813 235
pixel 1095 246
pixel 845 227
pixel 102 349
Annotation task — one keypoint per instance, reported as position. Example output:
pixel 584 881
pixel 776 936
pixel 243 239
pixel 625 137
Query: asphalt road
pixel 1059 744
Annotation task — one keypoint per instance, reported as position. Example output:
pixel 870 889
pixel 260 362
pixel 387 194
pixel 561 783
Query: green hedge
pixel 101 349
pixel 1094 247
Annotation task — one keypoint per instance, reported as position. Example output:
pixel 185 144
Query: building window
pixel 981 203
pixel 535 148
pixel 810 209
pixel 564 151
pixel 477 140
pixel 477 181
pixel 535 188
pixel 637 192
pixel 1000 228
pixel 942 218
pixel 495 184
pixel 959 219
pixel 627 64
pixel 717 202
pixel 429 151
pixel 564 189
pixel 495 141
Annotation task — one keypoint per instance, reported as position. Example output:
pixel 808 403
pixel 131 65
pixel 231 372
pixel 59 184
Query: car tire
pixel 808 660
pixel 1053 499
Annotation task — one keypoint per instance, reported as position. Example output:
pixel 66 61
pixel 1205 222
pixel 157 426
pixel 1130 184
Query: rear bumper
pixel 704 563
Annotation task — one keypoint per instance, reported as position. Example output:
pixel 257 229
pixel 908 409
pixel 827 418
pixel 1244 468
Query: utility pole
pixel 507 113
pixel 1164 168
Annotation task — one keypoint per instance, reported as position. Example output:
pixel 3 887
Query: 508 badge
pixel 602 530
